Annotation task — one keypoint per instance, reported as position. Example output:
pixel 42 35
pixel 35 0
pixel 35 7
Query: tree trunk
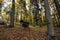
pixel 58 9
pixel 0 9
pixel 50 27
pixel 17 14
pixel 12 14
pixel 57 6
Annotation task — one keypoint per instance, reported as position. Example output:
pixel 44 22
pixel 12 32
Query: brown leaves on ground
pixel 22 34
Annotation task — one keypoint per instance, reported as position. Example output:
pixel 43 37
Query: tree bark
pixel 58 9
pixel 50 27
pixel 57 6
pixel 0 9
pixel 12 14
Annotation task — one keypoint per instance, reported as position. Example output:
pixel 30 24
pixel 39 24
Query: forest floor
pixel 19 33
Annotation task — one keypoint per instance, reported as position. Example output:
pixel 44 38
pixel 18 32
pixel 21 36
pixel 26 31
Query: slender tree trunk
pixel 50 27
pixel 58 9
pixel 36 12
pixel 17 14
pixel 57 6
pixel 24 8
pixel 12 14
pixel 0 9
